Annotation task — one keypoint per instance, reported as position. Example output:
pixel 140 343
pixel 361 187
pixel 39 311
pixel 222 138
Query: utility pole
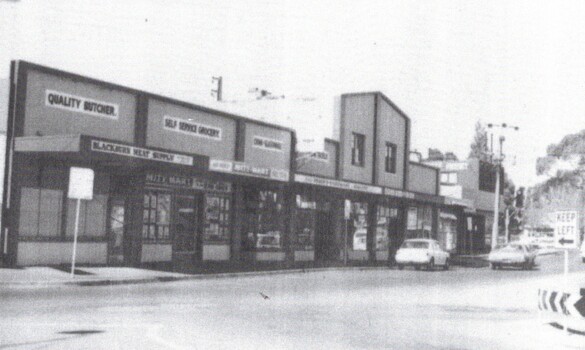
pixel 218 87
pixel 497 196
pixel 498 161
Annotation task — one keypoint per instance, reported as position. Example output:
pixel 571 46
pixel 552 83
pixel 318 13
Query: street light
pixel 498 162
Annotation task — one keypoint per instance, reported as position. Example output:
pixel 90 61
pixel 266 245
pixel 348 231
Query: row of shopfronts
pixel 179 183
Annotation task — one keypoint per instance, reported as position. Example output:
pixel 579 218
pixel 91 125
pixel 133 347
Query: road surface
pixel 463 308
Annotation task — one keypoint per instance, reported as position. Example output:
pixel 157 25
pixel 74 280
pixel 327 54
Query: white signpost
pixel 566 237
pixel 80 187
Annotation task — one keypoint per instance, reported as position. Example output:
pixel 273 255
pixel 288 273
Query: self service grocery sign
pixel 567 229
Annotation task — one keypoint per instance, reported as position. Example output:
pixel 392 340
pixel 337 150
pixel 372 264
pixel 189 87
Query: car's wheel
pixel 583 259
pixel 494 266
pixel 446 266
pixel 431 265
pixel 526 265
pixel 417 267
pixel 400 266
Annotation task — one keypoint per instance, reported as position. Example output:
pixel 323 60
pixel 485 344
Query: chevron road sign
pixel 570 304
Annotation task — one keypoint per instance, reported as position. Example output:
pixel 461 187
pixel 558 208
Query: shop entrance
pixel 325 244
pixel 116 232
pixel 186 227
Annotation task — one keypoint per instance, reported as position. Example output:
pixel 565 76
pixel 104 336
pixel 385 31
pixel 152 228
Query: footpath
pixel 42 276
pixel 102 276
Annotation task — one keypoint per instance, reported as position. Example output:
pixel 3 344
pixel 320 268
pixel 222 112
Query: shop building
pixel 468 187
pixel 181 184
pixel 172 179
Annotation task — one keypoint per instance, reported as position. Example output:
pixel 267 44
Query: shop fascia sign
pixel 267 144
pixel 398 193
pixel 138 152
pixel 188 182
pixel 191 128
pixel 227 166
pixel 313 180
pixel 318 156
pixel 458 201
pixel 80 104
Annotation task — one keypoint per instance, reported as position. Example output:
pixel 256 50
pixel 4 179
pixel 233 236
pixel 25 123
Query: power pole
pixel 218 87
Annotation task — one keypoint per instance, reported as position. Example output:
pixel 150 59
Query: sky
pixel 447 64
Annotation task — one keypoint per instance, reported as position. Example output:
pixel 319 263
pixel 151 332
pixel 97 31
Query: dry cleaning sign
pixel 81 104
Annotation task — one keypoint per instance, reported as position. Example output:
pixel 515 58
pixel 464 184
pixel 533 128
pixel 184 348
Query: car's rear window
pixel 415 245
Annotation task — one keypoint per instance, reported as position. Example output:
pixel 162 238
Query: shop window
pixel 390 159
pixel 263 220
pixel 449 178
pixel 357 149
pixel 419 222
pixel 156 216
pixel 359 215
pixel 92 216
pixel 387 225
pixel 41 201
pixel 304 223
pixel 40 212
pixel 217 218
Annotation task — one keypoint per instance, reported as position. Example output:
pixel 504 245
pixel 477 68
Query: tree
pixel 564 164
pixel 479 146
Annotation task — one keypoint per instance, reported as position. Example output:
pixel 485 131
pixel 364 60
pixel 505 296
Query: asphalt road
pixel 463 308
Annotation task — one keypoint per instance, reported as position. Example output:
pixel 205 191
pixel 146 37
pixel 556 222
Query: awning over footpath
pixel 96 149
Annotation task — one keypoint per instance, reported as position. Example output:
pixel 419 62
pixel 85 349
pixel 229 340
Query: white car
pixel 421 252
pixel 513 254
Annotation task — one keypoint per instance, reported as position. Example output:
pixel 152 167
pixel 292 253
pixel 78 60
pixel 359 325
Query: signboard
pixel 267 144
pixel 241 168
pixel 318 156
pixel 191 128
pixel 185 182
pixel 79 104
pixel 313 180
pixel 398 193
pixel 411 218
pixel 567 229
pixel 137 152
pixel 80 183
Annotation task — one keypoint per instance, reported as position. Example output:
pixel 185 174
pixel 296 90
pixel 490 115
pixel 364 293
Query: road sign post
pixel 566 237
pixel 80 187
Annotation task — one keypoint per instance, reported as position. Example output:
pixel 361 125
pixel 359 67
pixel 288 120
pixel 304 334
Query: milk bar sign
pixel 267 144
pixel 79 104
pixel 137 152
pixel 566 229
pixel 191 128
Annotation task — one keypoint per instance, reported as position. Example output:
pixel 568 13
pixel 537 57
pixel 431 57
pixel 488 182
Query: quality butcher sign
pixel 79 104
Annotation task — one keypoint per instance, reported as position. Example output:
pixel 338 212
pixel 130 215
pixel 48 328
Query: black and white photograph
pixel 277 174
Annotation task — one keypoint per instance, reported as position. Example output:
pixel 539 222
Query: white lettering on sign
pixel 227 166
pixel 136 152
pixel 337 184
pixel 398 193
pixel 319 156
pixel 268 144
pixel 80 104
pixel 188 183
pixel 191 128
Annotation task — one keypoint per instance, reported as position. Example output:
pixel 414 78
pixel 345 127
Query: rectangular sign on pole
pixel 566 229
pixel 80 187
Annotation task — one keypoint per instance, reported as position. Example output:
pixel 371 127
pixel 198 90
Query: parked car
pixel 513 254
pixel 421 252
